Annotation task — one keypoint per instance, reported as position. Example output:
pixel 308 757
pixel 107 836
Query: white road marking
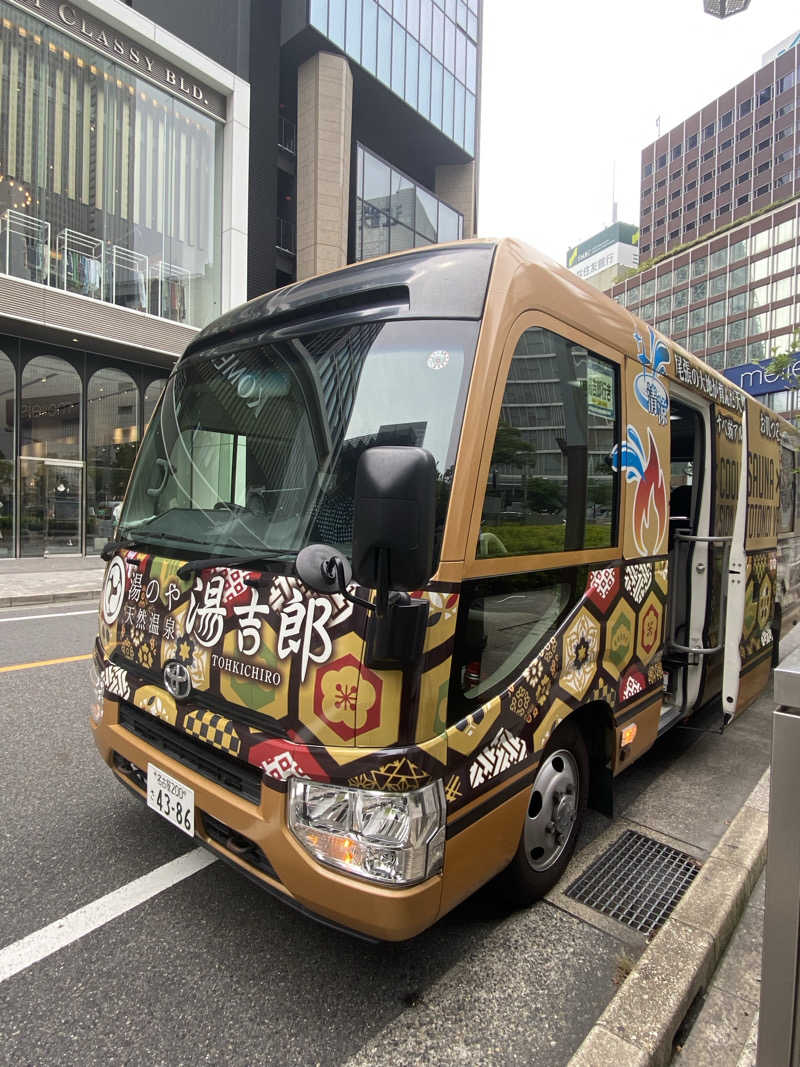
pixel 57 935
pixel 53 615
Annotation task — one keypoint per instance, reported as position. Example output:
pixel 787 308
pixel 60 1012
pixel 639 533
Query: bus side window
pixel 550 486
pixel 502 622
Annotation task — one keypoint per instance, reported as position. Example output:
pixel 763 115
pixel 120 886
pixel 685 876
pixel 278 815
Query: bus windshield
pixel 253 449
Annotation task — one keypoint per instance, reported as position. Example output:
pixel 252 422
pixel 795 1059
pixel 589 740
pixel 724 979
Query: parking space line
pixel 50 615
pixel 57 935
pixel 44 663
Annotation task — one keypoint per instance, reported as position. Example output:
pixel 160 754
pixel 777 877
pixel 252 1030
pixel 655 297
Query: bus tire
pixel 556 807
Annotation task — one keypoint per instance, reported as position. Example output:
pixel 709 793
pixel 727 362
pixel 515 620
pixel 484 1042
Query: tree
pixel 511 447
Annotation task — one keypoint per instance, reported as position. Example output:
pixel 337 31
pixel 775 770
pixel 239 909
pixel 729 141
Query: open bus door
pixel 736 573
pixel 705 489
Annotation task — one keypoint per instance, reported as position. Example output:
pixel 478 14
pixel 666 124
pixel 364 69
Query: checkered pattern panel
pixel 215 729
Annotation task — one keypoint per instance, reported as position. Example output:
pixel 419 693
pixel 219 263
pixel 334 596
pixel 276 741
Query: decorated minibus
pixel 415 559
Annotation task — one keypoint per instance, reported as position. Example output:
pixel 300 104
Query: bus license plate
pixel 170 798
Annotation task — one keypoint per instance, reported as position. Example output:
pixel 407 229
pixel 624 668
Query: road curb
pixel 31 599
pixel 638 1026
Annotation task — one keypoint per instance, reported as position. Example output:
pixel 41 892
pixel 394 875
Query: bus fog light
pixel 392 838
pixel 95 691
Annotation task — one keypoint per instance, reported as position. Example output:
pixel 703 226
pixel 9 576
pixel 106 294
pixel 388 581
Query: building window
pixel 759 297
pixel 757 323
pixel 51 418
pixel 692 141
pixel 785 82
pixel 709 130
pixel 745 107
pixel 726 120
pixel 735 356
pixel 661 161
pixel 765 95
pixel 648 170
pixel 743 156
pixel 736 330
pixel 676 151
pixel 764 144
pixel 112 437
pixel 738 277
pixel 394 213
pixel 126 177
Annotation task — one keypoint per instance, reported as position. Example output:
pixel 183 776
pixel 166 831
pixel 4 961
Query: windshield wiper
pixel 196 565
pixel 110 548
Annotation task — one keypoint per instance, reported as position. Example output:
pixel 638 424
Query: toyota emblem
pixel 177 679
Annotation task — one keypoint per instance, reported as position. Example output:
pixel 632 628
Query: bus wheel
pixel 556 806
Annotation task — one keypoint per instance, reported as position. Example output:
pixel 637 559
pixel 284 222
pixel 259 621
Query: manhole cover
pixel 637 881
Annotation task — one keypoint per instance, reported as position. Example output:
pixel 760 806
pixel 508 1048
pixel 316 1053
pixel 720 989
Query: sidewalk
pixel 693 996
pixel 49 580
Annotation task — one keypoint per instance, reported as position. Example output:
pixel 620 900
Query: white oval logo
pixel 114 590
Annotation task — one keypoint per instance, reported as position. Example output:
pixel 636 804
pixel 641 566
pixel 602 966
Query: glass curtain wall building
pixel 117 243
pixel 109 186
pixel 393 213
pixel 425 52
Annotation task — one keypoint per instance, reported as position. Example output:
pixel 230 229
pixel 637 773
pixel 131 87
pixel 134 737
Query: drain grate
pixel 637 881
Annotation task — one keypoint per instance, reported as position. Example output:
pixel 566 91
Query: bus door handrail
pixel 701 650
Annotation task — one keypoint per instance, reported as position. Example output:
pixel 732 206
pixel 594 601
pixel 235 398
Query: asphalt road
pixel 213 970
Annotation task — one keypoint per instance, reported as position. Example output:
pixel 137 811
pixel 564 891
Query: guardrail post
pixel 779 1011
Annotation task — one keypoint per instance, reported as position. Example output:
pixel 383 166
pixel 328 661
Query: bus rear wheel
pixel 556 807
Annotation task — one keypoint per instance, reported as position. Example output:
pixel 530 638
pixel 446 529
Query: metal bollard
pixel 779 1010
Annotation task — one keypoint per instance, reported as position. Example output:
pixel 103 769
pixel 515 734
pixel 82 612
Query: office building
pixel 363 126
pixel 720 198
pixel 607 257
pixel 161 161
pixel 119 175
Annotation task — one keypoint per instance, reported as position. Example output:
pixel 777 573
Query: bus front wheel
pixel 556 806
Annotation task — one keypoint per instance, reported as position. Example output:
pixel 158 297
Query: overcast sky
pixel 572 88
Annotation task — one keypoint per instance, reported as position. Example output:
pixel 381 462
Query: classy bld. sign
pixel 123 49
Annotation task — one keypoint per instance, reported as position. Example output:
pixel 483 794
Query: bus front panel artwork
pixel 416 558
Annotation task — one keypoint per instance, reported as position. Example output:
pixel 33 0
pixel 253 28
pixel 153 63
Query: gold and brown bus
pixel 416 557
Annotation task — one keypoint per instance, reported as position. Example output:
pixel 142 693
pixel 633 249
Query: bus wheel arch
pixel 596 723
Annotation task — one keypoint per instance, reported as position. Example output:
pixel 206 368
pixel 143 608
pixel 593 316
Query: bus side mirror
pixel 394 519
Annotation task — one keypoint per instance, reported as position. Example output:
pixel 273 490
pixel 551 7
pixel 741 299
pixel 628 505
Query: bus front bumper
pixel 255 839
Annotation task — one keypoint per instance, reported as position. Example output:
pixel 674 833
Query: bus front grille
pixel 223 770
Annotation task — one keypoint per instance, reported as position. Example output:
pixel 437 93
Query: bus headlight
pixel 392 838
